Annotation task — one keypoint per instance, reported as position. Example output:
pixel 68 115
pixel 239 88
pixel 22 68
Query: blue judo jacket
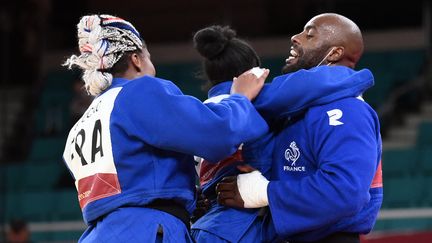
pixel 287 96
pixel 221 223
pixel 135 143
pixel 326 174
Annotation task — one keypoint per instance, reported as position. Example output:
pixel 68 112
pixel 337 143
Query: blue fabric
pixel 322 184
pixel 284 97
pixel 165 118
pixel 221 224
pixel 293 93
pixel 134 224
pixel 256 153
pixel 155 130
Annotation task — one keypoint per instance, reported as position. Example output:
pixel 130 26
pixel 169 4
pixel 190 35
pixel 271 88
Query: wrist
pixel 253 189
pixel 241 94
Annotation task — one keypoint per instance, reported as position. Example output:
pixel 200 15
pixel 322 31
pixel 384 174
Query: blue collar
pixel 118 82
pixel 220 88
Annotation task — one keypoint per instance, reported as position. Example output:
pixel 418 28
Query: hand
pixel 248 84
pixel 227 190
pixel 228 193
pixel 202 206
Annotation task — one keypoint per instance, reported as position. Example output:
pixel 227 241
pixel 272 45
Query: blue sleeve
pixel 259 153
pixel 346 156
pixel 162 116
pixel 293 93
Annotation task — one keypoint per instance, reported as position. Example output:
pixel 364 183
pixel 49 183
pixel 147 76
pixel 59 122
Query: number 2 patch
pixel 88 152
pixel 334 116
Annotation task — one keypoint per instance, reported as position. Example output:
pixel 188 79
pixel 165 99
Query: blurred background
pixel 40 99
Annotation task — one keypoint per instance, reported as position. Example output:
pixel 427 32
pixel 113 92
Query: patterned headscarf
pixel 102 41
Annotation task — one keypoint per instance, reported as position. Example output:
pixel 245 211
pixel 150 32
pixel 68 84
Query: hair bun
pixel 211 41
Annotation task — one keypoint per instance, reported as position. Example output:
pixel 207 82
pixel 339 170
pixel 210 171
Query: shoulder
pixel 145 91
pixel 346 103
pixel 148 83
pixel 353 109
pixel 339 71
pixel 148 86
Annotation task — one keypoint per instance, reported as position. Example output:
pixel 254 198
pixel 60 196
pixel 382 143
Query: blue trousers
pixel 136 224
pixel 221 225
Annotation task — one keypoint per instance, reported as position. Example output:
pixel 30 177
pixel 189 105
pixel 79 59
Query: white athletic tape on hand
pixel 253 189
pixel 257 71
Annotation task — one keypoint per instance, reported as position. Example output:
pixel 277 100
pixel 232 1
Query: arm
pixel 347 158
pixel 165 118
pixel 293 93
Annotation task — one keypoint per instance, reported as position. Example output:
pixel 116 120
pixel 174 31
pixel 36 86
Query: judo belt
pixel 171 207
pixel 340 237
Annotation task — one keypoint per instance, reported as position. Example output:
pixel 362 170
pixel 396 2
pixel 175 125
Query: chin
pixel 289 68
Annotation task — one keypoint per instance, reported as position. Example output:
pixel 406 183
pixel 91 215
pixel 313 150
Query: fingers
pixel 248 84
pixel 220 187
pixel 223 195
pixel 228 194
pixel 228 202
pixel 251 77
pixel 230 199
pixel 265 74
pixel 263 77
pixel 226 189
pixel 227 184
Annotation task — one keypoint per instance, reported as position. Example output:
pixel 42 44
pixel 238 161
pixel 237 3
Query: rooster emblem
pixel 292 153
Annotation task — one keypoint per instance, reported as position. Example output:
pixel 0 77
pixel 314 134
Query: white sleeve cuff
pixel 253 189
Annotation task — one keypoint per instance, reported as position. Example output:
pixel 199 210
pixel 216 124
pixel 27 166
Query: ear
pixel 136 62
pixel 336 54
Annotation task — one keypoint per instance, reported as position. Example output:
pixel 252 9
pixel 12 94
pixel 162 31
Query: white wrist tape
pixel 257 71
pixel 253 189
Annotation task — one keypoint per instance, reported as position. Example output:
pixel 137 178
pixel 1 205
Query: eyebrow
pixel 309 27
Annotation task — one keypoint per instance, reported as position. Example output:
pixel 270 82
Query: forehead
pixel 322 24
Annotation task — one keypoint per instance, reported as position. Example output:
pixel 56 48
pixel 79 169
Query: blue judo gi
pixel 285 98
pixel 135 144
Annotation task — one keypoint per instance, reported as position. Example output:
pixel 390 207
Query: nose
pixel 295 39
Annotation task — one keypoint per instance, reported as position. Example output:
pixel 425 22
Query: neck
pixel 345 63
pixel 128 75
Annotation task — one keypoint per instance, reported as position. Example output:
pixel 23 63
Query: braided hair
pixel 102 40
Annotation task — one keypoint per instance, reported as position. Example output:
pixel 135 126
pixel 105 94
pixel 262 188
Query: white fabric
pixel 253 189
pixel 101 46
pixel 257 71
pixel 216 99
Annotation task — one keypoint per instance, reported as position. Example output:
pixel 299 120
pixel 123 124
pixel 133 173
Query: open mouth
pixel 293 55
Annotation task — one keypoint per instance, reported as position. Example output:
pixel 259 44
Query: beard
pixel 306 60
pixel 299 64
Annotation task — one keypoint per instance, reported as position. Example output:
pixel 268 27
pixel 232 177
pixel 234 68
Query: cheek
pixel 307 54
pixel 312 53
pixel 310 58
pixel 153 70
pixel 149 68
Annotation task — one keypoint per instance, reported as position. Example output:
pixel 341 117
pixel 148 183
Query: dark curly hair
pixel 225 55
